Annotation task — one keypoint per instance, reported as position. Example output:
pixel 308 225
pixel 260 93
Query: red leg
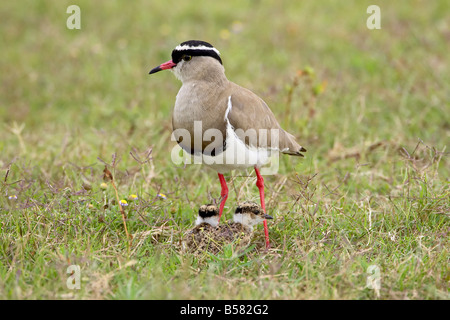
pixel 260 185
pixel 223 193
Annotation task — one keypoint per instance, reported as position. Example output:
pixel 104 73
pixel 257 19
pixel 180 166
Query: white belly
pixel 237 155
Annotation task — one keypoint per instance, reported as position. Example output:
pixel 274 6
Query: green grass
pixel 371 107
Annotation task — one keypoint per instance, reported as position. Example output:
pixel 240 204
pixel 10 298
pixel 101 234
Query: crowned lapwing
pixel 208 214
pixel 224 125
pixel 246 216
pixel 198 238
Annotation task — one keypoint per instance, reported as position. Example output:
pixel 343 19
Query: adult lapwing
pixel 220 123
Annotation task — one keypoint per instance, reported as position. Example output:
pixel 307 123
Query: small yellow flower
pixel 162 196
pixel 123 203
pixel 13 197
pixel 103 186
pixel 132 197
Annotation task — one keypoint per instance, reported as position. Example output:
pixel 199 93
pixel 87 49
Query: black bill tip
pixel 266 216
pixel 154 70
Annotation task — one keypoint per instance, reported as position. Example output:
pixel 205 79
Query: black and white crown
pixel 208 210
pixel 195 48
pixel 248 207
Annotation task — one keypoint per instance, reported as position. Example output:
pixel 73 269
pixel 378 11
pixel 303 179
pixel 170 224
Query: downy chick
pixel 240 231
pixel 200 236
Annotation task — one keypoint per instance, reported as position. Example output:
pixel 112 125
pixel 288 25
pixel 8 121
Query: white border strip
pixel 187 47
pixel 228 109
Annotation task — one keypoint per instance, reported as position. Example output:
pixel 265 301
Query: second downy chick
pixel 240 231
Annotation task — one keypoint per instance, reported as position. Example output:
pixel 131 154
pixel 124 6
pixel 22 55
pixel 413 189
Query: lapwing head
pixel 192 60
pixel 250 214
pixel 208 213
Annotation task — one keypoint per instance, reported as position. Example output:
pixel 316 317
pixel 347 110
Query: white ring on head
pixel 202 47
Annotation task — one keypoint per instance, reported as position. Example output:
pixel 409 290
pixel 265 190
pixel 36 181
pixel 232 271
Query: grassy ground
pixel 371 107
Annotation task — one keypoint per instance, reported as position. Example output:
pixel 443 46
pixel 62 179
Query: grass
pixel 371 107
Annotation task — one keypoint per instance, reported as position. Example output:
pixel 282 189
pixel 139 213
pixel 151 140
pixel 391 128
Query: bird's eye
pixel 187 58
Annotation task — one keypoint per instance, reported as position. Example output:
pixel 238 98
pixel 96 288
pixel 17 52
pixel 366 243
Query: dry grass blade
pixel 107 175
